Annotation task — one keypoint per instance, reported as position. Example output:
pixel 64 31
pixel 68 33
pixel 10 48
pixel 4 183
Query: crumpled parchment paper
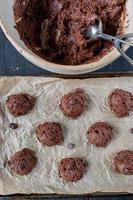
pixel 44 178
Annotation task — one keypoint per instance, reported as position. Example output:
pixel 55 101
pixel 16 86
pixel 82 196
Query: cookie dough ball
pixel 49 133
pixel 121 102
pixel 20 104
pixel 71 169
pixel 73 103
pixel 100 134
pixel 22 162
pixel 123 162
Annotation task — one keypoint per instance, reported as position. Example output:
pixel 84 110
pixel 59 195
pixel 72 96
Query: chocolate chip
pixel 71 146
pixel 131 130
pixel 13 126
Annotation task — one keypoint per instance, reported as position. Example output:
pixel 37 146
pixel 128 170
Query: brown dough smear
pixel 20 104
pixel 100 134
pixel 121 102
pixel 56 29
pixel 22 162
pixel 71 169
pixel 123 162
pixel 73 103
pixel 49 133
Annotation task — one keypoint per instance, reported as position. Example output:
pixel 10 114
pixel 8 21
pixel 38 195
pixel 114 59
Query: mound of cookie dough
pixel 71 169
pixel 73 103
pixel 100 134
pixel 19 104
pixel 49 133
pixel 121 102
pixel 55 29
pixel 123 162
pixel 22 162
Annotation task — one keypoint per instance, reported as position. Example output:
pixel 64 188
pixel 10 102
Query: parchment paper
pixel 44 178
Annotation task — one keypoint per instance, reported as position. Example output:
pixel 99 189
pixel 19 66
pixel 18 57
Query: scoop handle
pixel 118 42
pixel 126 38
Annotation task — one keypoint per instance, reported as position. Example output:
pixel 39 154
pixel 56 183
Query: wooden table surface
pixel 12 63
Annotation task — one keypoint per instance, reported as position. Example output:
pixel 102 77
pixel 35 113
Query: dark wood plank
pixel 25 197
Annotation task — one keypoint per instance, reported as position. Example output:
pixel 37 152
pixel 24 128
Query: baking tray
pixel 100 196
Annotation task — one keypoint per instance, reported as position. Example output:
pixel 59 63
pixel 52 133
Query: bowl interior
pixel 7 24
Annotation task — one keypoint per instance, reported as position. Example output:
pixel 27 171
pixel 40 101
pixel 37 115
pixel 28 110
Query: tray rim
pixel 82 76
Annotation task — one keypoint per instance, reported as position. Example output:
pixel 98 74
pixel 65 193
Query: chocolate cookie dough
pixel 71 169
pixel 55 29
pixel 22 162
pixel 20 104
pixel 100 134
pixel 121 102
pixel 49 133
pixel 73 103
pixel 123 162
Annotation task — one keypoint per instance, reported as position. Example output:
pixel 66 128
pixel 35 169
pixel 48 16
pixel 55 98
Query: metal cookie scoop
pixel 96 31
